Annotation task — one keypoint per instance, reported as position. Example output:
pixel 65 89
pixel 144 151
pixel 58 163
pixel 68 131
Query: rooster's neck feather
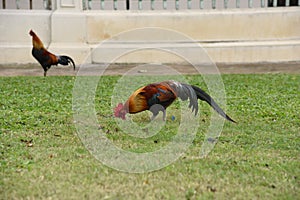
pixel 36 42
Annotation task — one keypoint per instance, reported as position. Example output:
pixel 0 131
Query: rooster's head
pixel 120 111
pixel 31 33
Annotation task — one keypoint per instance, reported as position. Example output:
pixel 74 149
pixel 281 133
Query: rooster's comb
pixel 118 108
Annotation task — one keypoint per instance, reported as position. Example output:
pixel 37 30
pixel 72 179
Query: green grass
pixel 258 158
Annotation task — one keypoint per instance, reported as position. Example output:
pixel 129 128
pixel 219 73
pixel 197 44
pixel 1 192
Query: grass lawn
pixel 258 158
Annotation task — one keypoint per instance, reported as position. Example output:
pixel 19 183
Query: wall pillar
pixel 74 5
pixel 68 28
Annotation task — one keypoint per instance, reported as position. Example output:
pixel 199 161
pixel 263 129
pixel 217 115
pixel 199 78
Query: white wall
pixel 245 35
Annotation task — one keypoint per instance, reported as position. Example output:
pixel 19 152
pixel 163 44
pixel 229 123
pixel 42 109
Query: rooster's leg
pixel 155 110
pixel 164 114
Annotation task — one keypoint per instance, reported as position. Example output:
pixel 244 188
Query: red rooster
pixel 157 97
pixel 44 57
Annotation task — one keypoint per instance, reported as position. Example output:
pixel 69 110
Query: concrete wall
pixel 235 36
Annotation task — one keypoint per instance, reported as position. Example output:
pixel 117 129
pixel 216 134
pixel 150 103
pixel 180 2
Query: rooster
pixel 44 57
pixel 157 97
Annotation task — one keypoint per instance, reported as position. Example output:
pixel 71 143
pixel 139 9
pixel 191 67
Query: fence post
pixel 287 2
pixel 164 4
pixel 201 4
pixel 250 3
pixel 102 5
pixel 152 5
pixel 115 5
pixel 213 4
pixel 177 4
pixel 47 4
pixel 18 4
pixel 189 4
pixel 225 4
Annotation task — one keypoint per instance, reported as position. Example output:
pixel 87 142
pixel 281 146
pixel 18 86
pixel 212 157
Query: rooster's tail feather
pixel 66 60
pixel 205 97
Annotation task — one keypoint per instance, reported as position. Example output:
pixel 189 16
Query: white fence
pixel 183 4
pixel 150 4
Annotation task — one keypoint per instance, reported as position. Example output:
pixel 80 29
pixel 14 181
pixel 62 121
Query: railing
pixel 26 4
pixel 182 4
pixel 151 4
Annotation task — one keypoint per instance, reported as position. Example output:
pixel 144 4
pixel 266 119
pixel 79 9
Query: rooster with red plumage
pixel 157 97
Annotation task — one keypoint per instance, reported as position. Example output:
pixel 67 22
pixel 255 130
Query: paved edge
pixel 119 69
